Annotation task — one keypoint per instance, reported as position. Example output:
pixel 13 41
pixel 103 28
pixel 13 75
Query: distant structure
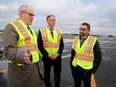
pixel 1 31
pixel 1 43
pixel 1 34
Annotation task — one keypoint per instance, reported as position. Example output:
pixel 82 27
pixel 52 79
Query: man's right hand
pixel 51 56
pixel 27 57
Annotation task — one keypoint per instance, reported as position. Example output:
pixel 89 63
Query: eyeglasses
pixel 83 29
pixel 30 14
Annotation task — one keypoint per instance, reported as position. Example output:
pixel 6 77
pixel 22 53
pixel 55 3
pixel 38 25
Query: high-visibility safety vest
pixel 51 44
pixel 84 55
pixel 26 41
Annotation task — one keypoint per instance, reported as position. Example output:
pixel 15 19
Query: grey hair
pixel 24 8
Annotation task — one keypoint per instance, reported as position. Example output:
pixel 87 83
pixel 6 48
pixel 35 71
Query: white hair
pixel 24 8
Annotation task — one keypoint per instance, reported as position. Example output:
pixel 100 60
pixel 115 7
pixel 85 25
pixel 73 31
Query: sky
pixel 100 14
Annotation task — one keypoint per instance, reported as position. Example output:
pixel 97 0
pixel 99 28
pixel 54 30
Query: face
pixel 27 16
pixel 84 30
pixel 51 21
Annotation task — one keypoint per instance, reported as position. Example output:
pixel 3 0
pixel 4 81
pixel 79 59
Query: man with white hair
pixel 20 48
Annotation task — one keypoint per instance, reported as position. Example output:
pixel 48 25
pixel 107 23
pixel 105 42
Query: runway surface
pixel 104 77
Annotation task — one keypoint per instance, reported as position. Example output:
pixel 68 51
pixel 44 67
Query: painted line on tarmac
pixel 93 82
pixel 1 71
pixel 66 56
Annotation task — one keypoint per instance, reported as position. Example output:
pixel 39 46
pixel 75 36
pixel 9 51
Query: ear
pixel 21 13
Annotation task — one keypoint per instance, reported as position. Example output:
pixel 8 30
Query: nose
pixel 81 30
pixel 33 17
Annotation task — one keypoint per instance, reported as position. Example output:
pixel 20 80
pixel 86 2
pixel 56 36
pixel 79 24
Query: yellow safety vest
pixel 26 41
pixel 84 55
pixel 51 44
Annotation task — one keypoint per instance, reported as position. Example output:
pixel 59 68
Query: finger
pixel 28 62
pixel 28 51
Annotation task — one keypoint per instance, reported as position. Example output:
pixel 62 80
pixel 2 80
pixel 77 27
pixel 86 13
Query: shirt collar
pixel 83 38
pixel 24 23
pixel 50 28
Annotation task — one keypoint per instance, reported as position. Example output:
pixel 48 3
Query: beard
pixel 82 34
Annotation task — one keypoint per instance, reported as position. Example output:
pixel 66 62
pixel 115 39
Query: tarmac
pixel 104 77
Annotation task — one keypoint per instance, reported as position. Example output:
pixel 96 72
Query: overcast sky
pixel 101 14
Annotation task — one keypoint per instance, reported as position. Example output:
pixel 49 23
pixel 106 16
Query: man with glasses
pixel 85 56
pixel 20 48
pixel 50 43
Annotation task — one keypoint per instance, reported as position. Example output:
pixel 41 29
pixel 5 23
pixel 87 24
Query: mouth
pixel 30 21
pixel 81 34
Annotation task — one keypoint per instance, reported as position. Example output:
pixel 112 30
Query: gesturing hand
pixel 27 57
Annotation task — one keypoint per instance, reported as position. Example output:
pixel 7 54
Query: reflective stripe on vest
pixel 89 45
pixel 51 44
pixel 45 35
pixel 26 41
pixel 25 48
pixel 84 56
pixel 21 29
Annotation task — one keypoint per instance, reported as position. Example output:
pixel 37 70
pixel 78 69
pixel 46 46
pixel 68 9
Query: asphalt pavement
pixel 104 77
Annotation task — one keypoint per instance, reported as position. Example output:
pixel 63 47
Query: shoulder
pixel 77 37
pixel 93 37
pixel 9 27
pixel 58 30
pixel 10 30
pixel 42 29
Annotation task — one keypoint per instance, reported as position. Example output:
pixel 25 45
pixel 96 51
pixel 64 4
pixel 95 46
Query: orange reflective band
pixel 84 57
pixel 89 45
pixel 51 45
pixel 33 50
pixel 59 34
pixel 26 45
pixel 85 60
pixel 45 36
pixel 75 43
pixel 23 32
pixel 25 48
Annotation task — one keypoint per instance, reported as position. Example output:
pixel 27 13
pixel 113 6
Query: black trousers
pixel 79 74
pixel 56 68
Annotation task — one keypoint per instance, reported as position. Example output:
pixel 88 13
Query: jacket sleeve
pixel 11 37
pixel 40 45
pixel 97 56
pixel 61 46
pixel 72 57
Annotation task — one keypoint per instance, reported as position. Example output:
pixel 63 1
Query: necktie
pixel 82 40
pixel 51 30
pixel 29 29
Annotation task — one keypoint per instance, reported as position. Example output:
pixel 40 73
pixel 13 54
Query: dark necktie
pixel 82 40
pixel 29 29
pixel 51 30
